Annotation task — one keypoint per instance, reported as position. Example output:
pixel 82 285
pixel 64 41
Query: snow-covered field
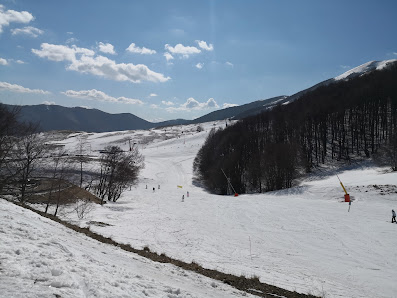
pixel 301 239
pixel 41 258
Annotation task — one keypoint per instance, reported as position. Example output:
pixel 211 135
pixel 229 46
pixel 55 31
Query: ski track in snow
pixel 301 239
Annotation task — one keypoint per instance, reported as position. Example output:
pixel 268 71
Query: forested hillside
pixel 350 119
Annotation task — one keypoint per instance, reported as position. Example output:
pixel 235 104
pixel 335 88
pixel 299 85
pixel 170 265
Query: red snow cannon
pixel 347 197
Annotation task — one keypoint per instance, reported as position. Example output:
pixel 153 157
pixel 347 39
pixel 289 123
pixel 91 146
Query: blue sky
pixel 164 60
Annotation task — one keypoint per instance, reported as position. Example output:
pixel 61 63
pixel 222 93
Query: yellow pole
pixel 342 185
pixel 343 188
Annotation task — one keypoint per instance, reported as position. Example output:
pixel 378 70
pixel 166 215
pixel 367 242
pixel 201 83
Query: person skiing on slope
pixel 393 216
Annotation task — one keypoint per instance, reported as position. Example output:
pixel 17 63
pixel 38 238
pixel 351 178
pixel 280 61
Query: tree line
pixel 341 121
pixel 27 159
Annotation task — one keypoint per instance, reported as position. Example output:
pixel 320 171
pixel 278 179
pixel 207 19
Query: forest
pixel 338 123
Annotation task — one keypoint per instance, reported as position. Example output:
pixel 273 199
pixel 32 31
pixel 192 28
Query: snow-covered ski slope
pixel 41 258
pixel 301 239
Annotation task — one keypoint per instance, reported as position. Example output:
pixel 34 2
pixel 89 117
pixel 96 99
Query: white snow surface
pixel 364 68
pixel 301 239
pixel 41 258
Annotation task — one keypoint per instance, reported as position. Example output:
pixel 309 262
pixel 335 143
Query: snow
pixel 41 258
pixel 301 239
pixel 364 68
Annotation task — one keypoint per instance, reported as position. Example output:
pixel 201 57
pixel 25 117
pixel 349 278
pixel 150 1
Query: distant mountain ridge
pixel 54 117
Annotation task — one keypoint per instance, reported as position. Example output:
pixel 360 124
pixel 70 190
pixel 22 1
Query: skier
pixel 183 198
pixel 393 216
pixel 187 194
pixel 154 189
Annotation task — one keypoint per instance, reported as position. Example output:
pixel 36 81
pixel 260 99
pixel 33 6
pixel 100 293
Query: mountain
pixel 256 107
pixel 364 69
pixel 345 120
pixel 53 117
pixel 238 112
pixel 352 73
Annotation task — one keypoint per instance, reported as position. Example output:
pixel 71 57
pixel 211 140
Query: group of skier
pixel 183 196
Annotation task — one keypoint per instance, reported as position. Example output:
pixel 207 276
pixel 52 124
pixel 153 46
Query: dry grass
pixel 69 193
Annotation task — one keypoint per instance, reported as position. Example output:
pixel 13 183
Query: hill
pixel 239 112
pixel 54 117
pixel 354 117
pixel 302 239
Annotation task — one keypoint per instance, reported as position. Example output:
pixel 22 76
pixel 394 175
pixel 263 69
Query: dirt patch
pixel 67 193
pixel 99 223
pixel 382 189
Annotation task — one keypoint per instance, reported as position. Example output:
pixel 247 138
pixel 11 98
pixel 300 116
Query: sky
pixel 162 60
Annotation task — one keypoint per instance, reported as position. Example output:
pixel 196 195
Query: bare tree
pixel 9 128
pixel 59 165
pixel 82 147
pixel 24 158
pixel 119 170
pixel 83 208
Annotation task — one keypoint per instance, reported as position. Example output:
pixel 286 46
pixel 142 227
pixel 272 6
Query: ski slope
pixel 302 239
pixel 41 258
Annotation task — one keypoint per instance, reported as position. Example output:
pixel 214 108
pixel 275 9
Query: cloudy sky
pixel 163 60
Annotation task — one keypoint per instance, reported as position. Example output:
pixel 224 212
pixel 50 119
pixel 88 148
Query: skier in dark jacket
pixel 393 216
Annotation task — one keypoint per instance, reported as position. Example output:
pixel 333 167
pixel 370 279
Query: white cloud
pixel 61 53
pixel 48 103
pixel 202 44
pixel 134 49
pixel 199 65
pixel 83 51
pixel 102 66
pixel 17 88
pixel 153 95
pixel 192 104
pixel 229 64
pixel 84 60
pixel 12 16
pixel 154 106
pixel 155 120
pixel 106 48
pixel 7 62
pixel 71 40
pixel 229 105
pixel 100 96
pixel 31 31
pixel 168 56
pixel 180 49
pixel 167 103
pixel 211 103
